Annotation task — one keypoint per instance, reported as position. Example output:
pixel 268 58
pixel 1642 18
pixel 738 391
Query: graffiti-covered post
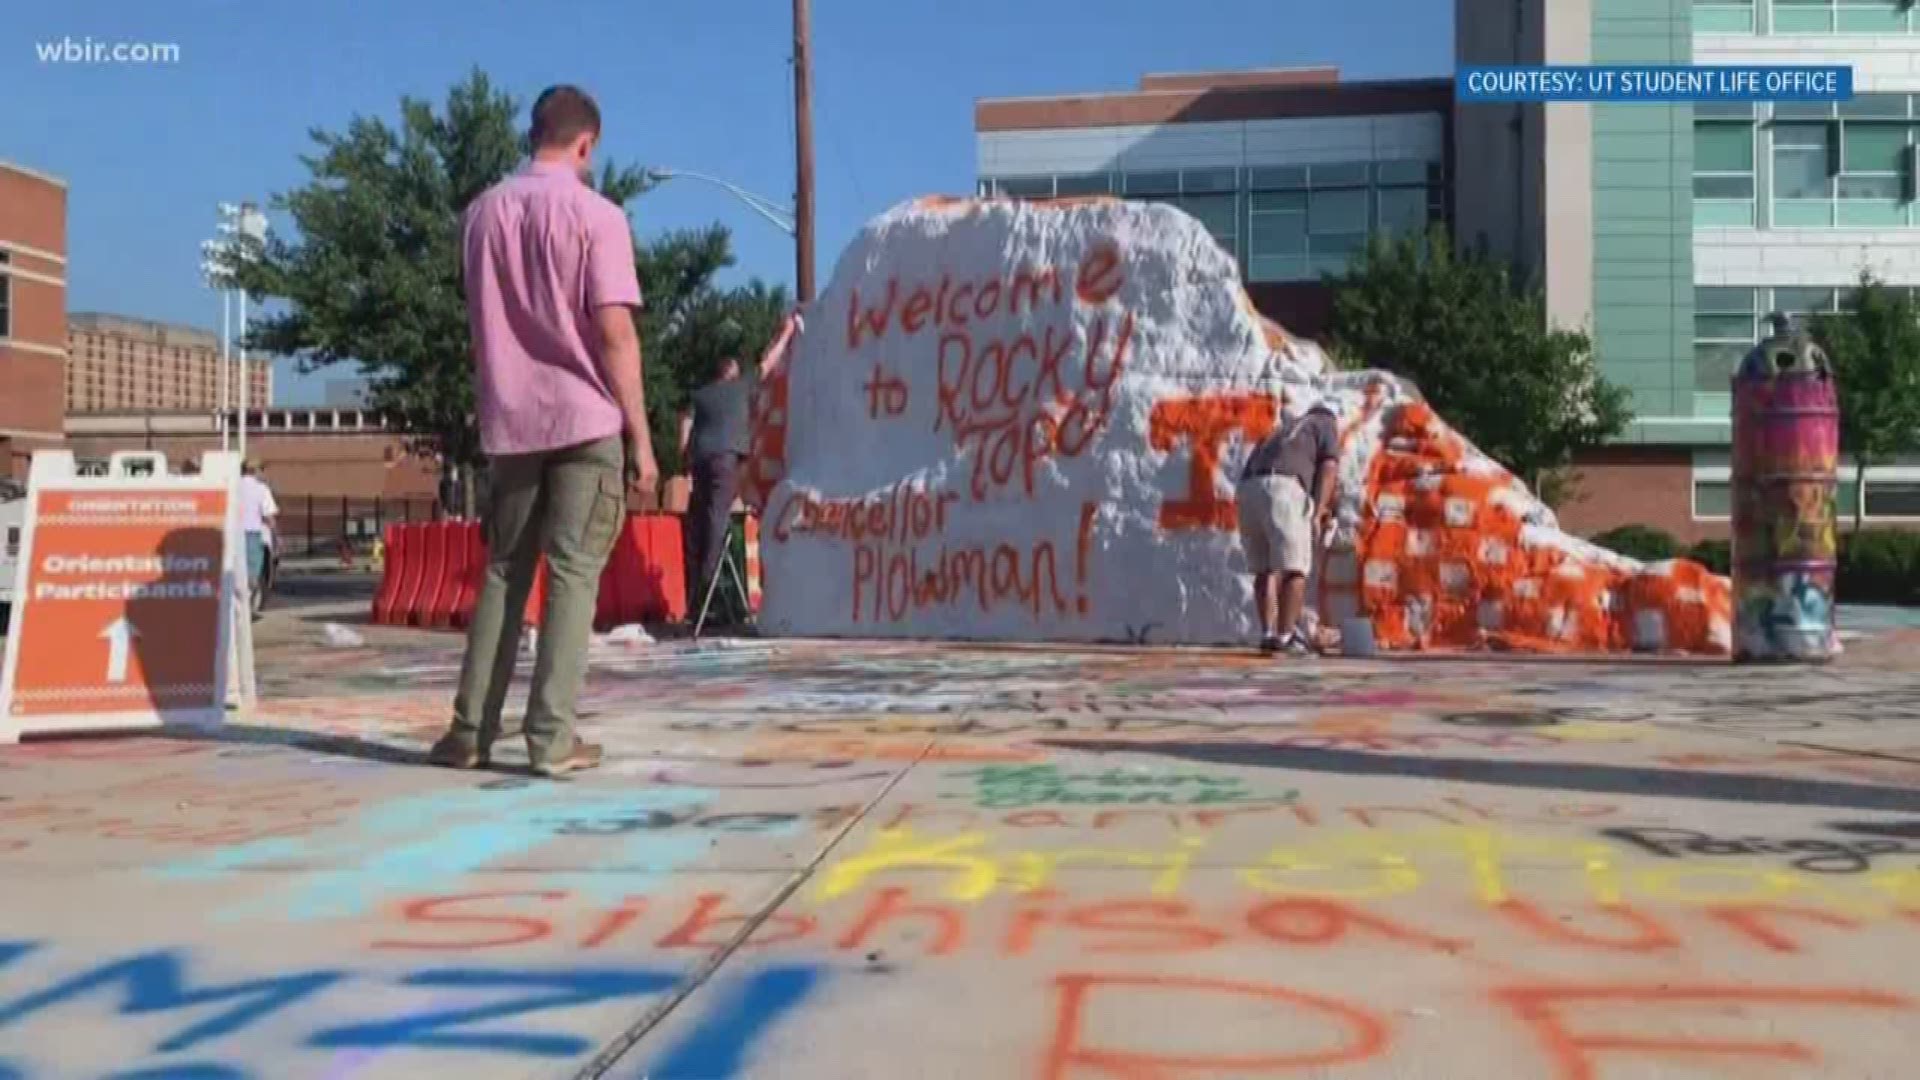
pixel 1786 450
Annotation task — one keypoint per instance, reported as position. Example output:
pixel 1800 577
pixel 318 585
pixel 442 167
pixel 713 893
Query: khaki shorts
pixel 1276 526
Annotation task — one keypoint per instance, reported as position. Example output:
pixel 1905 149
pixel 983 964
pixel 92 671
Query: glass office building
pixel 1290 170
pixel 1668 232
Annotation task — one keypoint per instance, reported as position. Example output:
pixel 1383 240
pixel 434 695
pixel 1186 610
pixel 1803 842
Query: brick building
pixel 336 473
pixel 33 313
pixel 121 364
pixel 327 452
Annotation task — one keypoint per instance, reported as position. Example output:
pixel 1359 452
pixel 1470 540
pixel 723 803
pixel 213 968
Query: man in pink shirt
pixel 551 291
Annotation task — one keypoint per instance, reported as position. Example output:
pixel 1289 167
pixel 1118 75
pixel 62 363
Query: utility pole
pixel 803 150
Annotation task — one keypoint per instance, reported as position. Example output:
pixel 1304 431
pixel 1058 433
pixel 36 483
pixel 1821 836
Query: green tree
pixel 1874 344
pixel 1478 345
pixel 372 276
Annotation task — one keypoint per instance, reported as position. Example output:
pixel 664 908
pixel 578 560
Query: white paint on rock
pixel 899 407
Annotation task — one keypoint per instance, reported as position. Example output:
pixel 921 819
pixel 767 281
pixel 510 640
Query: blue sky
pixel 701 85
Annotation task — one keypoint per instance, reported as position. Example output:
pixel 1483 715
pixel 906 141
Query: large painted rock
pixel 1019 421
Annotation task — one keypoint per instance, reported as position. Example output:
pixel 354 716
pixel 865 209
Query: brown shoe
pixel 583 756
pixel 455 752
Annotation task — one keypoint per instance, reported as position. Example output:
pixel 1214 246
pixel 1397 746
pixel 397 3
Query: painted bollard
pixel 1786 447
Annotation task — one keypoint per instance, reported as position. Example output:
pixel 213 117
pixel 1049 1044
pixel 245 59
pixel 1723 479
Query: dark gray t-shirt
pixel 720 418
pixel 1296 448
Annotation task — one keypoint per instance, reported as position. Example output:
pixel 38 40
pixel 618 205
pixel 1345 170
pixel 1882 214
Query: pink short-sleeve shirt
pixel 542 251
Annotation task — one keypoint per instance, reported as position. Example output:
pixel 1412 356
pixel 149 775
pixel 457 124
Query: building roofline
pixel 1234 73
pixel 36 174
pixel 1206 104
pixel 1245 79
pixel 87 320
pixel 1426 83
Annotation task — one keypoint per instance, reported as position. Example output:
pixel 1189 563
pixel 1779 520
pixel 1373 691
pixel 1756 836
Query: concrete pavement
pixel 832 860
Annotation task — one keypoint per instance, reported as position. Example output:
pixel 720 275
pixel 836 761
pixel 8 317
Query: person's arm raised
pixel 790 327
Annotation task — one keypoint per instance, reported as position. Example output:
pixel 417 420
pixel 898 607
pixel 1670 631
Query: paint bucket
pixel 1786 451
pixel 1356 637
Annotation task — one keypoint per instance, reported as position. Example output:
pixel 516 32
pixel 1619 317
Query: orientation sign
pixel 123 606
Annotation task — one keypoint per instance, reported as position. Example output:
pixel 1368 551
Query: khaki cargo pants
pixel 569 504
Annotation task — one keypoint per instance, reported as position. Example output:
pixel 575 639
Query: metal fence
pixel 337 526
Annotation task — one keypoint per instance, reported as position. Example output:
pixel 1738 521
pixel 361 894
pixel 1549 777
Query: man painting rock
pixel 714 436
pixel 1285 501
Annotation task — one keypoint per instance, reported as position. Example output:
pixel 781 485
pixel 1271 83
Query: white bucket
pixel 1356 637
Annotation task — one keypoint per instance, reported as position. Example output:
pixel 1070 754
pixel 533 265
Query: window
pixel 1337 228
pixel 1153 183
pixel 1841 16
pixel 1277 236
pixel 1407 197
pixel 1279 223
pixel 1402 211
pixel 6 296
pixel 1220 214
pixel 1404 172
pixel 1278 178
pixel 1100 184
pixel 1890 493
pixel 1893 498
pixel 1726 325
pixel 1845 166
pixel 1803 158
pixel 1211 195
pixel 1873 173
pixel 1874 107
pixel 1337 175
pixel 1723 16
pixel 1802 303
pixel 1024 187
pixel 1713 493
pixel 1200 181
pixel 1712 499
pixel 1723 188
pixel 1308 221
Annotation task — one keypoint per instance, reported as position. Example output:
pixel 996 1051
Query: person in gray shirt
pixel 1285 499
pixel 715 435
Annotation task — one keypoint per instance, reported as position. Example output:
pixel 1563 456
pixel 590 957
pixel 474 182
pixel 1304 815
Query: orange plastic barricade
pixel 666 568
pixel 398 545
pixel 623 583
pixel 432 573
pixel 537 596
pixel 469 592
pixel 441 609
pixel 432 569
pixel 753 562
pixel 127 614
pixel 412 574
pixel 606 605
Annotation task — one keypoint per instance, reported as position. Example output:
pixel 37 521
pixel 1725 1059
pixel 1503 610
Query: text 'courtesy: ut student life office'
pixel 1654 84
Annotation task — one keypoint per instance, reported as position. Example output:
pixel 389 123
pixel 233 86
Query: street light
pixel 242 232
pixel 782 217
pixel 213 269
